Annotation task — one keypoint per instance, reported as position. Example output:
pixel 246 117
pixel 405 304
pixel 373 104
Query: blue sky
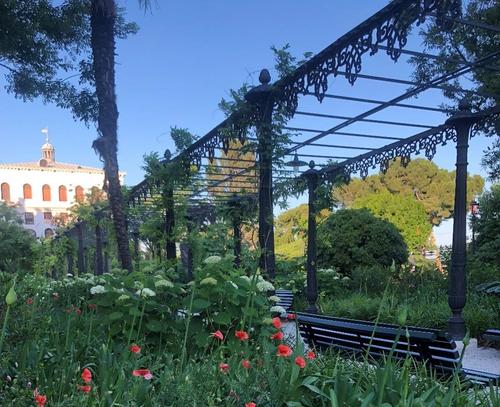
pixel 186 57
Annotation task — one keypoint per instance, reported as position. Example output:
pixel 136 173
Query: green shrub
pixel 371 279
pixel 350 238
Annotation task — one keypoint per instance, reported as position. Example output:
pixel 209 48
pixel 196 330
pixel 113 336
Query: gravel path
pixel 482 359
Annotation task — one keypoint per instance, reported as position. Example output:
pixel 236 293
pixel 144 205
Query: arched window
pixel 5 192
pixel 79 195
pixel 46 193
pixel 63 195
pixel 49 232
pixel 27 194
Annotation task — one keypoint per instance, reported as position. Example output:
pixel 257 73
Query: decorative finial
pixel 312 164
pixel 45 131
pixel 264 77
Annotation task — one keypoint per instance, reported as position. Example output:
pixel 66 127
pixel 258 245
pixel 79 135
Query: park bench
pixel 286 298
pixel 433 347
pixel 490 337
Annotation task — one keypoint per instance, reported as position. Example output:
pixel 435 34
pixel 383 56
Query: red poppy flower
pixel 85 389
pixel 78 311
pixel 29 301
pixel 92 306
pixel 223 367
pixel 40 399
pixel 278 336
pixel 217 335
pixel 86 375
pixel 284 351
pixel 311 355
pixel 300 362
pixel 146 373
pixel 250 404
pixel 277 323
pixel 135 348
pixel 245 363
pixel 290 317
pixel 241 335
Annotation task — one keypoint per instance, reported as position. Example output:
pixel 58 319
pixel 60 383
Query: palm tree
pixel 103 17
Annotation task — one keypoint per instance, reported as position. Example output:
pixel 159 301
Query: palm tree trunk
pixel 103 15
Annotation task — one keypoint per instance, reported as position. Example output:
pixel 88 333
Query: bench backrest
pixel 432 346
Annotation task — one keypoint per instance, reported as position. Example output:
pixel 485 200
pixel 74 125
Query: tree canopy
pixel 45 53
pixel 404 212
pixel 432 186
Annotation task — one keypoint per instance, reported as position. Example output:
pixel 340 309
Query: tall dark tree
pixel 103 19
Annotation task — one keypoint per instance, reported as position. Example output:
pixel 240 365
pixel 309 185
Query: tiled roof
pixel 54 166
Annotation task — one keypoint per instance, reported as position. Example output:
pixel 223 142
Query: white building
pixel 45 190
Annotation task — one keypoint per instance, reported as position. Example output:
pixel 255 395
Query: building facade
pixel 44 191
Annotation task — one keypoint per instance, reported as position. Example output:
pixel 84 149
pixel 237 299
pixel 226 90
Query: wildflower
pixel 264 286
pixel 92 306
pixel 223 367
pixel 146 292
pixel 135 348
pixel 208 281
pixel 217 335
pixel 274 298
pixel 164 283
pixel 278 336
pixel 290 317
pixel 245 363
pixel 277 309
pixel 29 301
pixel 86 375
pixel 277 323
pixel 78 311
pixel 300 362
pixel 40 399
pixel 250 404
pixel 122 297
pixel 55 296
pixel 145 373
pixel 212 260
pixel 241 335
pixel 85 389
pixel 311 355
pixel 97 289
pixel 284 351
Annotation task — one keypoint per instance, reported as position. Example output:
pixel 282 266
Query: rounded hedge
pixel 349 238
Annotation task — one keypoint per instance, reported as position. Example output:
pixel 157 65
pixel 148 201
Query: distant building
pixel 45 190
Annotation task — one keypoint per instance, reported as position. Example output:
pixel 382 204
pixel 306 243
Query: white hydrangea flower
pixel 97 289
pixel 138 284
pixel 208 281
pixel 246 278
pixel 345 278
pixel 278 309
pixel 336 278
pixel 274 298
pixel 265 286
pixel 212 260
pixel 146 292
pixel 164 283
pixel 122 297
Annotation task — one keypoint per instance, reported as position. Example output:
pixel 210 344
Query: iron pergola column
pixel 312 285
pixel 169 224
pixel 462 121
pixel 235 206
pixel 99 260
pixel 81 249
pixel 262 97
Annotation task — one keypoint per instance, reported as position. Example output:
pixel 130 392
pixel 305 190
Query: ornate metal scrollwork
pixel 427 142
pixel 388 27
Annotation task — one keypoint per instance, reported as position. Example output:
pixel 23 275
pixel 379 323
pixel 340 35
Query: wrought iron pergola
pixel 241 150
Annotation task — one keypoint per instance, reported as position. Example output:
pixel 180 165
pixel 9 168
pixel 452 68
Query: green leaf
pixel 155 326
pixel 223 318
pixel 200 304
pixel 115 315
